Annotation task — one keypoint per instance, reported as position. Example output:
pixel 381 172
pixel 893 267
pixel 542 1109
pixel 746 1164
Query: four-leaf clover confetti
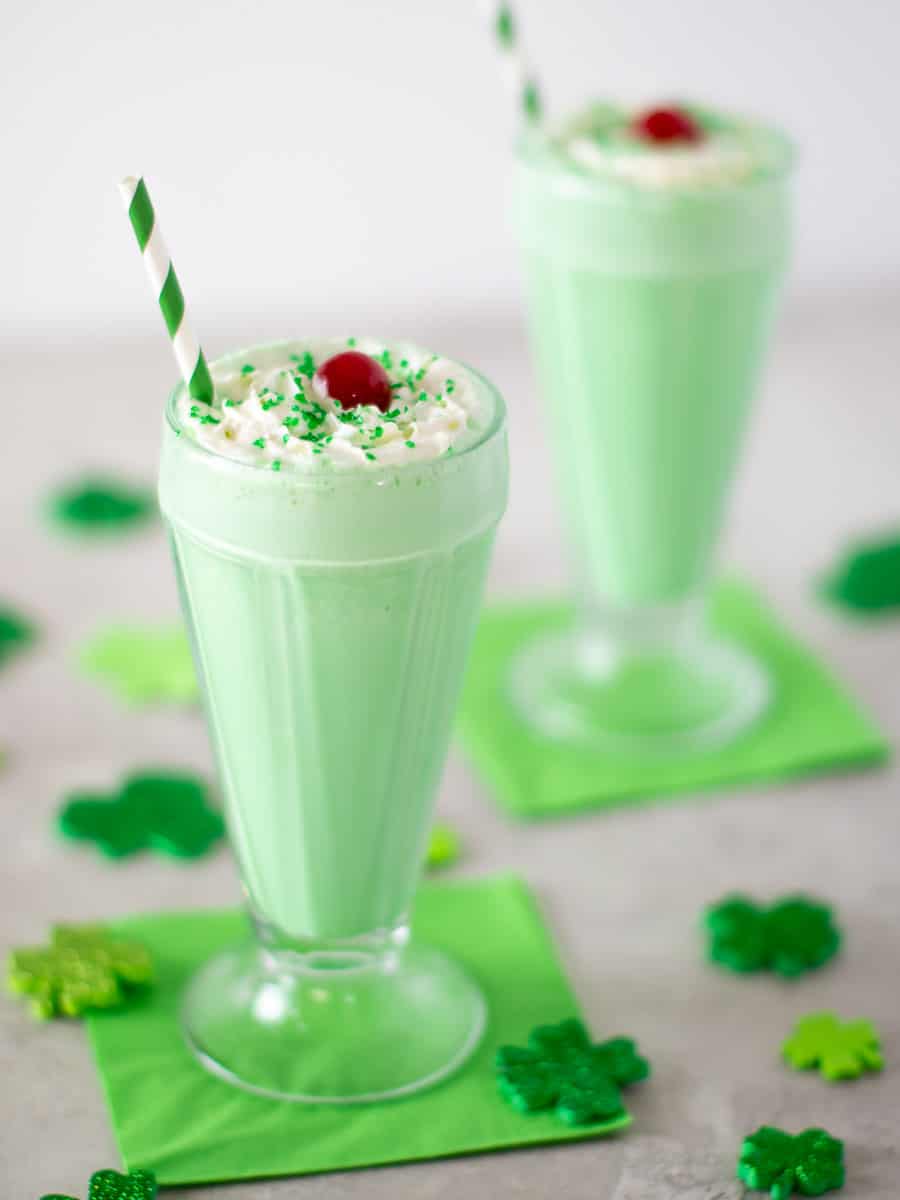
pixel 867 580
pixel 99 504
pixel 791 936
pixel 154 811
pixel 84 967
pixel 810 1163
pixel 561 1069
pixel 143 666
pixel 839 1050
pixel 15 633
pixel 443 847
pixel 110 1185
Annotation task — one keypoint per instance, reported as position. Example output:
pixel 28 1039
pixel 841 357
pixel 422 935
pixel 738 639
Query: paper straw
pixel 519 79
pixel 166 289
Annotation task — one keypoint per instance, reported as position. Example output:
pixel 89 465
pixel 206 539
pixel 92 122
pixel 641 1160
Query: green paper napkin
pixel 172 1117
pixel 812 724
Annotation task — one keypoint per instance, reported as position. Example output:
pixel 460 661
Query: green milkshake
pixel 332 515
pixel 653 244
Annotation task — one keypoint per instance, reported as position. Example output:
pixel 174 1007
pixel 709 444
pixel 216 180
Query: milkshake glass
pixel 651 275
pixel 330 606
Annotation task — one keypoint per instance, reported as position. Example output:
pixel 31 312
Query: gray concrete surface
pixel 621 890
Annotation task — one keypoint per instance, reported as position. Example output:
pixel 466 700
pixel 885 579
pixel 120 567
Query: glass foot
pixel 334 1027
pixel 673 701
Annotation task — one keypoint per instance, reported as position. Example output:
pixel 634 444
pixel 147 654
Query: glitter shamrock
pixel 839 1050
pixel 443 847
pixel 868 577
pixel 15 633
pixel 155 811
pixel 84 967
pixel 110 1185
pixel 561 1069
pixel 793 935
pixel 99 504
pixel 143 666
pixel 810 1163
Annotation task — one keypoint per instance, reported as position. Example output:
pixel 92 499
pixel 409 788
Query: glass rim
pixel 319 475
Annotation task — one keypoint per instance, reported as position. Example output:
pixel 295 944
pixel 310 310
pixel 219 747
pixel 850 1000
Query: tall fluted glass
pixel 650 314
pixel 330 614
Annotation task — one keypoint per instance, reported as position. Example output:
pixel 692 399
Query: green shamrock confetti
pixel 867 579
pixel 810 1164
pixel 443 847
pixel 794 935
pixel 84 967
pixel 110 1185
pixel 561 1069
pixel 143 666
pixel 15 633
pixel 101 505
pixel 840 1051
pixel 155 811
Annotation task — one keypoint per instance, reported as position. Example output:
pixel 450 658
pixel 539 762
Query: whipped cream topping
pixel 603 141
pixel 271 411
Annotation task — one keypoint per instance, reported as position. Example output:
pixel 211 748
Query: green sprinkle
pixel 317 449
pixel 412 445
pixel 307 365
pixel 385 359
pixel 394 386
pixel 247 369
pixel 450 386
pixel 378 431
pixel 285 439
pixel 422 397
pixel 291 422
pixel 276 465
pixel 351 341
pixel 370 456
pixel 392 414
pixel 204 418
pixel 404 363
pixel 261 443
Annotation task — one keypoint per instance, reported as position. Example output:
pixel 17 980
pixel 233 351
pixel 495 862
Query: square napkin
pixel 171 1116
pixel 812 725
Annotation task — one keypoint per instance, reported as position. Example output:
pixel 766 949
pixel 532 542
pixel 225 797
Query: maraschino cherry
pixel 667 125
pixel 354 379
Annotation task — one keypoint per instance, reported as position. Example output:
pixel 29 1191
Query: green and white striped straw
pixel 519 79
pixel 166 289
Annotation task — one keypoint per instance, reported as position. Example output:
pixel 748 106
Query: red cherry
pixel 354 379
pixel 667 125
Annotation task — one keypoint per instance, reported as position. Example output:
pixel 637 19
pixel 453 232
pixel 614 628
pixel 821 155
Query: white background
pixel 337 163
